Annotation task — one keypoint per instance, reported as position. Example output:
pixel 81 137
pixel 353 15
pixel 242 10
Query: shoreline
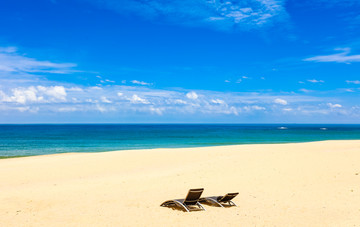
pixel 187 147
pixel 295 184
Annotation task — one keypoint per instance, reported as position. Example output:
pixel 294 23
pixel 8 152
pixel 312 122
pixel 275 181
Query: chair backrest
pixel 193 196
pixel 228 197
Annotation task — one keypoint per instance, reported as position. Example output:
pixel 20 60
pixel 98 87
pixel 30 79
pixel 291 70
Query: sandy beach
pixel 300 184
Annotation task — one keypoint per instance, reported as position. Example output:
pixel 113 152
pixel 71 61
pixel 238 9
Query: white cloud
pixel 315 81
pixel 155 110
pixel 140 82
pixel 96 88
pixel 179 101
pixel 11 62
pixel 68 109
pixel 287 109
pixel 334 105
pixel 24 95
pixel 57 92
pixel 255 107
pixel 342 57
pixel 90 101
pixel 101 108
pixel 353 81
pixel 32 94
pixel 305 90
pixel 280 101
pixel 223 15
pixel 8 49
pixel 217 101
pixel 192 95
pixel 78 89
pixel 227 81
pixel 105 100
pixel 136 99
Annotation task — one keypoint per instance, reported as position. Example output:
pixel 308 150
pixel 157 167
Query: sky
pixel 180 61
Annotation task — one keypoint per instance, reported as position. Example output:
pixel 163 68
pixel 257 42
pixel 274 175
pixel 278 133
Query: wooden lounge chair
pixel 191 200
pixel 221 200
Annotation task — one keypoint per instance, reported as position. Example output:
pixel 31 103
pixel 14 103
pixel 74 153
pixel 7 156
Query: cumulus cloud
pixel 353 81
pixel 32 94
pixel 280 101
pixel 192 95
pixel 105 100
pixel 68 109
pixel 305 90
pixel 342 57
pixel 140 82
pixel 156 110
pixel 254 107
pixel 136 99
pixel 179 101
pixel 75 89
pixel 24 95
pixel 334 105
pixel 44 96
pixel 315 81
pixel 57 92
pixel 217 101
pixel 160 102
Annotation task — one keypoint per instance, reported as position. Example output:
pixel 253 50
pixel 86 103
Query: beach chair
pixel 221 200
pixel 191 200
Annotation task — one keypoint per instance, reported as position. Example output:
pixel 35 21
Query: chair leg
pixel 216 202
pixel 182 205
pixel 201 206
pixel 232 203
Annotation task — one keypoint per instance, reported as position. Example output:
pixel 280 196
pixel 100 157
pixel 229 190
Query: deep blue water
pixel 19 140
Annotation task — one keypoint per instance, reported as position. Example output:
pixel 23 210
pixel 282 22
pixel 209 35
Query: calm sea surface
pixel 19 140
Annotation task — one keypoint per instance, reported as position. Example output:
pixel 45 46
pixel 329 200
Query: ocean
pixel 26 140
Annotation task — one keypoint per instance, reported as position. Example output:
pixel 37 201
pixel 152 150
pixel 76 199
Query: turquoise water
pixel 20 140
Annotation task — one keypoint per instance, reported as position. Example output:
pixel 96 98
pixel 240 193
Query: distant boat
pixel 323 129
pixel 282 128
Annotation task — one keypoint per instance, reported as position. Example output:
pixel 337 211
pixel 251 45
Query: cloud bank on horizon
pixel 43 97
pixel 224 75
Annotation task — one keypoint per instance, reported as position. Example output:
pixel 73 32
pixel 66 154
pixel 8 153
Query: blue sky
pixel 206 61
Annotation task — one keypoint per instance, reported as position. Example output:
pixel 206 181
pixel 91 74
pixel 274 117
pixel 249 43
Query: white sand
pixel 304 184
